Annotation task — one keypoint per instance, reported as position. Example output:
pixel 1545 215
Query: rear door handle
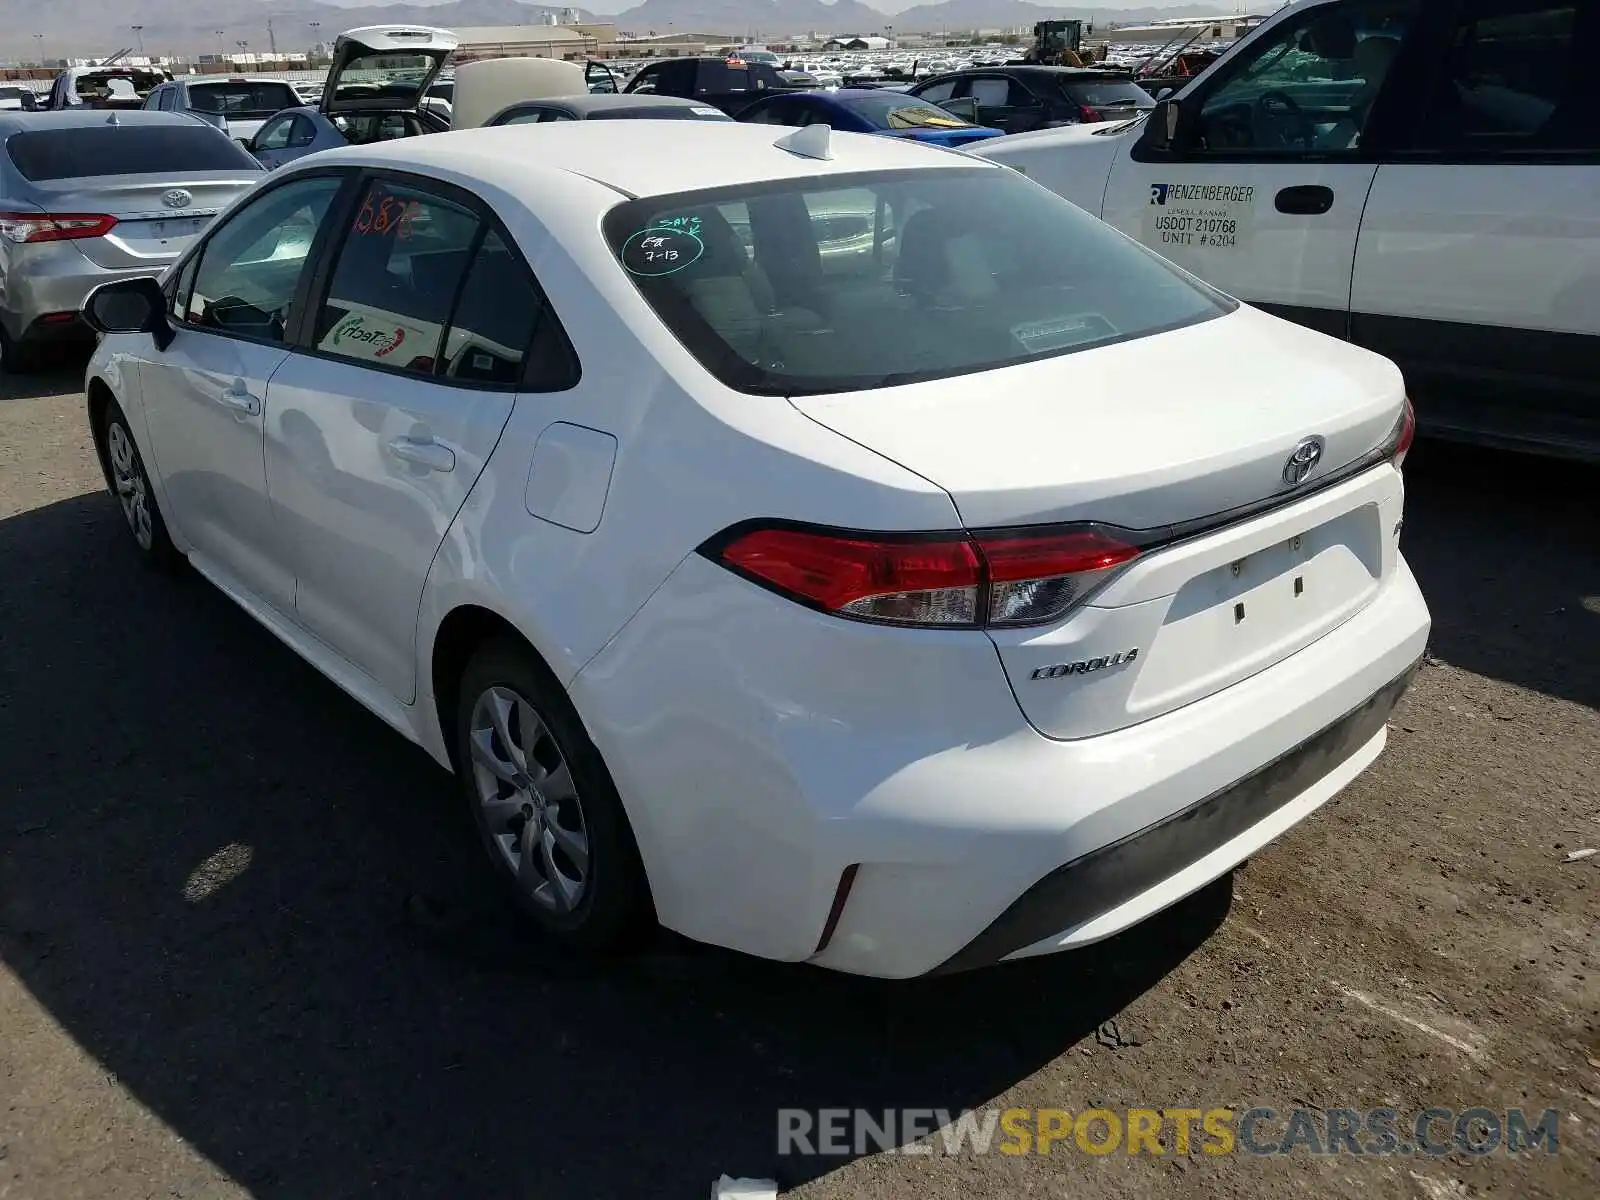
pixel 434 455
pixel 1305 200
pixel 240 401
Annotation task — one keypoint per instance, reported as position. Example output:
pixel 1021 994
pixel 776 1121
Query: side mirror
pixel 214 119
pixel 1163 94
pixel 966 108
pixel 1167 126
pixel 130 306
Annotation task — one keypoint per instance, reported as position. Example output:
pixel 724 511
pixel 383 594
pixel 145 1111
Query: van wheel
pixel 544 805
pixel 130 484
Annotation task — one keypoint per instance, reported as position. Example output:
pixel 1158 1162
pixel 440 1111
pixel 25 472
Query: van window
pixel 1308 85
pixel 1514 80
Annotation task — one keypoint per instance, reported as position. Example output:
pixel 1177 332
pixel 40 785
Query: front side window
pixel 991 92
pixel 1516 79
pixel 938 93
pixel 1307 86
pixel 250 268
pixel 274 135
pixel 845 283
pixel 402 262
pixel 646 80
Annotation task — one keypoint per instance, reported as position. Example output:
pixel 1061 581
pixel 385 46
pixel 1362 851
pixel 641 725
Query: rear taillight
pixel 29 228
pixel 956 580
pixel 1405 432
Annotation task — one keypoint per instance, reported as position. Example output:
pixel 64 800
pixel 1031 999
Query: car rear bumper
pixel 766 754
pixel 54 278
pixel 1126 881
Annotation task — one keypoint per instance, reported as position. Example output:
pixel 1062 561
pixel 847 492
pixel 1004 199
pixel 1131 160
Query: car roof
pixel 644 157
pixel 83 118
pixel 236 79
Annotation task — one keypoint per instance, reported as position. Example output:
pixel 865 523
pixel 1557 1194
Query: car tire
pixel 543 803
pixel 16 358
pixel 130 486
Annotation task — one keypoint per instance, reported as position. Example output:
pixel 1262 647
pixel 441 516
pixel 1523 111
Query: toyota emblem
pixel 1303 461
pixel 177 198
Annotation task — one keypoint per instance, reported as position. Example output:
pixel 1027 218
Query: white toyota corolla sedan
pixel 834 548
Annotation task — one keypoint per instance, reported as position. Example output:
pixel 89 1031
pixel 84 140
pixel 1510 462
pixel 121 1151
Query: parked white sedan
pixel 796 539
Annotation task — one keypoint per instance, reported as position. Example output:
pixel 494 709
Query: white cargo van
pixel 1421 177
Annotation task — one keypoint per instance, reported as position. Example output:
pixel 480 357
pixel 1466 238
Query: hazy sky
pixel 888 6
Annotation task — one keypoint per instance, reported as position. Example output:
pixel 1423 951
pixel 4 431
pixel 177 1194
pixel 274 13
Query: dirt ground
pixel 216 979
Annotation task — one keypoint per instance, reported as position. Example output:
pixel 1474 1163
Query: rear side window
pixel 1517 77
pixel 845 283
pixel 125 150
pixel 499 320
pixel 396 280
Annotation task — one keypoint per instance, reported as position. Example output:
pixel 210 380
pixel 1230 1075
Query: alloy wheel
pixel 530 804
pixel 127 475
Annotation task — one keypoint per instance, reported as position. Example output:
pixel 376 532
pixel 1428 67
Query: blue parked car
pixel 868 110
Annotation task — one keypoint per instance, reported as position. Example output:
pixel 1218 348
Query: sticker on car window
pixel 382 214
pixel 1198 216
pixel 661 249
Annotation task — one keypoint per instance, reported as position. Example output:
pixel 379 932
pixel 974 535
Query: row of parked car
pixel 835 547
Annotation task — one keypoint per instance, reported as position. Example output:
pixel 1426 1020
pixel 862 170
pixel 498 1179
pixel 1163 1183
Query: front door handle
pixel 1305 200
pixel 434 455
pixel 240 400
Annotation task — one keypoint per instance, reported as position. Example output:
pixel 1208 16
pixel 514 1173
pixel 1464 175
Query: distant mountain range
pixel 78 28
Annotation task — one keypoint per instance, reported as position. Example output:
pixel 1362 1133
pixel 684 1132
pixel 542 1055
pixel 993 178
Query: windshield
pixel 249 100
pixel 849 282
pixel 895 110
pixel 126 150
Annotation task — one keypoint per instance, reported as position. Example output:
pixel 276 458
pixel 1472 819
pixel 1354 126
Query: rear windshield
pixel 243 99
pixel 847 282
pixel 667 112
pixel 1107 93
pixel 125 150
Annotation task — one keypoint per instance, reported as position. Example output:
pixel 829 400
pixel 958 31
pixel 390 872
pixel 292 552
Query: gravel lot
pixel 215 980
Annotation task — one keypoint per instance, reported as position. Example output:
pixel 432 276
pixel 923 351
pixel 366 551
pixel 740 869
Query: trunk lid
pixel 1150 435
pixel 384 67
pixel 154 222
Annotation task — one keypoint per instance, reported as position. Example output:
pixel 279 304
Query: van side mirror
pixel 130 306
pixel 1167 127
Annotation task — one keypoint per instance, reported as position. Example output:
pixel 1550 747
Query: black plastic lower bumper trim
pixel 1110 875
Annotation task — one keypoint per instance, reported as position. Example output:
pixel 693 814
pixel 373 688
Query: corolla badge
pixel 177 198
pixel 1303 461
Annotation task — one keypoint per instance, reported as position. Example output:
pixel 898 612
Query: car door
pixel 379 427
pixel 1004 103
pixel 1262 190
pixel 205 395
pixel 1478 263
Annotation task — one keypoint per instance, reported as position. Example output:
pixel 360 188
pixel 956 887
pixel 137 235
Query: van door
pixel 1261 193
pixel 1478 264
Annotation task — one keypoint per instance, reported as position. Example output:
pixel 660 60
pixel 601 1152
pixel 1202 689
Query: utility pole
pixel 138 32
pixel 272 39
